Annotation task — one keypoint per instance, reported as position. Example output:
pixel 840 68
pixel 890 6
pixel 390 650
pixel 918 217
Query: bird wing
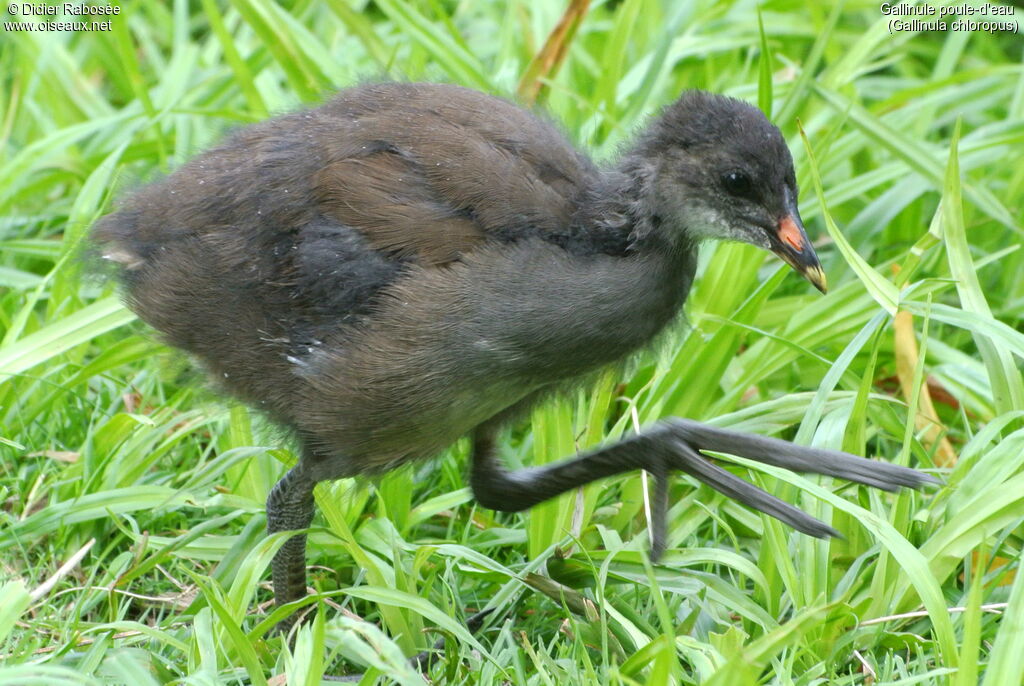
pixel 428 172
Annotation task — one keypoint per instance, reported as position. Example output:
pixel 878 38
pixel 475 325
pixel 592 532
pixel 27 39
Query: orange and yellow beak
pixel 791 243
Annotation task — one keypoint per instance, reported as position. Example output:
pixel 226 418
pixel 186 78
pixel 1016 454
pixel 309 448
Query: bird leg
pixel 673 445
pixel 289 507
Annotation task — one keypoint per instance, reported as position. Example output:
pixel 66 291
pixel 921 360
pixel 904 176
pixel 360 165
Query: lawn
pixel 132 544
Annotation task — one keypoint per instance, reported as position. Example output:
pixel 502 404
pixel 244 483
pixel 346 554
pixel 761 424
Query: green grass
pixel 114 455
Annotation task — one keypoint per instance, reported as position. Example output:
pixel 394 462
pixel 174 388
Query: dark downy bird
pixel 412 263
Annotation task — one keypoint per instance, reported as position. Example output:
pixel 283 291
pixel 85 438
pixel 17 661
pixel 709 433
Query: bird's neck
pixel 648 265
pixel 617 215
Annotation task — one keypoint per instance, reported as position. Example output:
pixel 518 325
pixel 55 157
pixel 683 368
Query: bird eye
pixel 737 183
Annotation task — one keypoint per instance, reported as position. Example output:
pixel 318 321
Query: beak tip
pixel 817 277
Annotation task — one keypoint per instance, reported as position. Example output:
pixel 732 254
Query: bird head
pixel 719 169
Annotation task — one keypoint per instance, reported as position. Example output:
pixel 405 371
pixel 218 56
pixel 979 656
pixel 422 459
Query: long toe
pixel 883 475
pixel 693 463
pixel 797 458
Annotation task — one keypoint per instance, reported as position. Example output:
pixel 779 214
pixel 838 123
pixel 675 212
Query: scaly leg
pixel 290 507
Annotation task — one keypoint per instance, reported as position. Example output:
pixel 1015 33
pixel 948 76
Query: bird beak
pixel 791 243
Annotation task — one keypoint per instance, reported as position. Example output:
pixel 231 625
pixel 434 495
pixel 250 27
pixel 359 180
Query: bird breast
pixel 449 349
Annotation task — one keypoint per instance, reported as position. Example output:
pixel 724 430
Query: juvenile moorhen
pixel 411 263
